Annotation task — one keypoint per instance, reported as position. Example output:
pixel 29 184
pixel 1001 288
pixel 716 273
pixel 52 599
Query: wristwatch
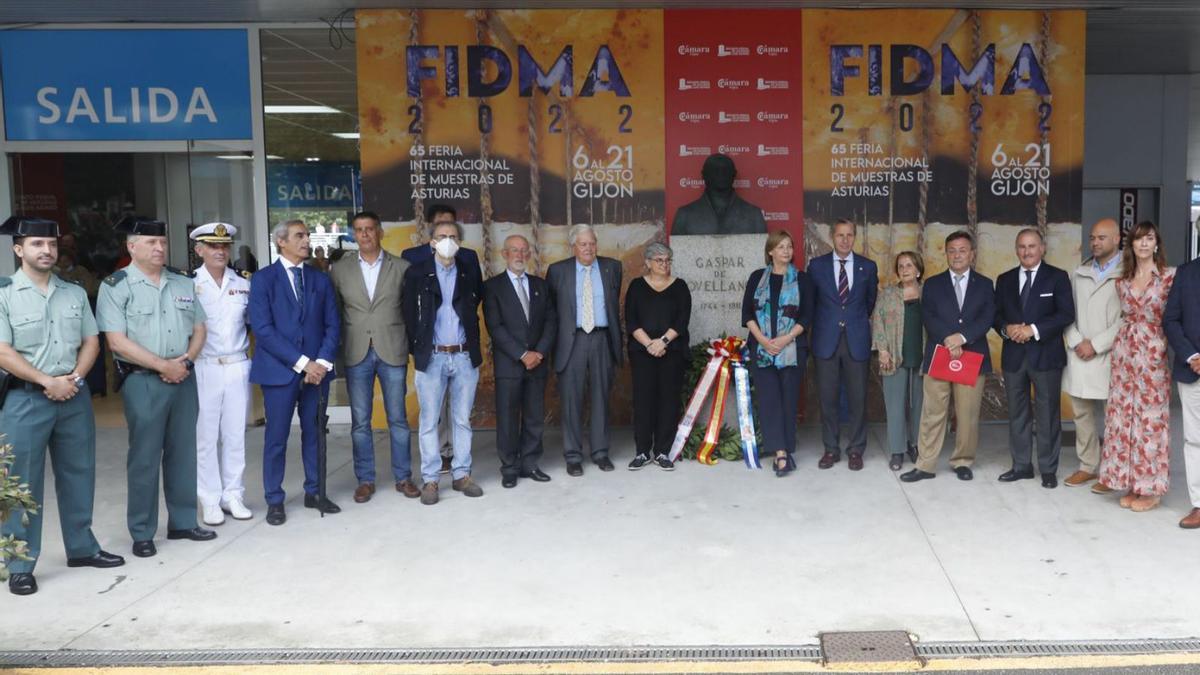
pixel 191 365
pixel 665 340
pixel 77 380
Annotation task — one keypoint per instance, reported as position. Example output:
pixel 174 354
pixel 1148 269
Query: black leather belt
pixel 15 383
pixel 450 349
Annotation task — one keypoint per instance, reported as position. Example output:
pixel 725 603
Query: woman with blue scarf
pixel 778 309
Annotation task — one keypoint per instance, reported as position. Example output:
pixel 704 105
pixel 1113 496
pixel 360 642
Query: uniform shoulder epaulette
pixel 245 275
pixel 5 281
pixel 115 278
pixel 73 281
pixel 181 273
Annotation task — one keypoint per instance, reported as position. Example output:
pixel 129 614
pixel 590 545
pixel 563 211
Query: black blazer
pixel 1181 320
pixel 942 318
pixel 421 297
pixel 511 334
pixel 561 279
pixel 1051 308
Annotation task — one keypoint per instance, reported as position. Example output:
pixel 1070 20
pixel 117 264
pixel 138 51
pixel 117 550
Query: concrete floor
pixel 700 556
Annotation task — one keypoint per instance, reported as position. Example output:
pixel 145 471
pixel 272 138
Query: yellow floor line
pixel 654 668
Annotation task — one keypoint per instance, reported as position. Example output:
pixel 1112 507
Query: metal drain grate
pixel 533 655
pixel 867 646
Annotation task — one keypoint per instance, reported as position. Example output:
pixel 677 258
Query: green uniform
pixel 161 417
pixel 47 329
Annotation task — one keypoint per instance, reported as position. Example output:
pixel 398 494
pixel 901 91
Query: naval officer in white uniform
pixel 222 377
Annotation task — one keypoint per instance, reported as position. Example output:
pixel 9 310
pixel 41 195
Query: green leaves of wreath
pixel 729 442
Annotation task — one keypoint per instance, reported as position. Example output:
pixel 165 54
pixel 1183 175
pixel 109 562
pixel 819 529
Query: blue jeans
pixel 360 384
pixel 453 372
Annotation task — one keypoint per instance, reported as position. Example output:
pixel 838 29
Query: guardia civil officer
pixel 155 328
pixel 48 344
pixel 222 377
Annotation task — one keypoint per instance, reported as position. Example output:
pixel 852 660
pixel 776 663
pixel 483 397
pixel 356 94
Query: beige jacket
pixel 1097 317
pixel 375 322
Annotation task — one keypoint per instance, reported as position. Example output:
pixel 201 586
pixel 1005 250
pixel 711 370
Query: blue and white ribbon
pixel 741 381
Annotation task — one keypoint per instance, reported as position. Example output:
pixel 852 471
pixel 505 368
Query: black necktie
pixel 1026 288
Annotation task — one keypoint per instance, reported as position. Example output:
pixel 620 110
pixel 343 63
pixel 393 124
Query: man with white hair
pixel 222 377
pixel 586 291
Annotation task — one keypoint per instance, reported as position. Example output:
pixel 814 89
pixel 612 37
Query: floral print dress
pixel 1137 443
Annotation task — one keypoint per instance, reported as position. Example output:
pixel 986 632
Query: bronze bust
pixel 719 210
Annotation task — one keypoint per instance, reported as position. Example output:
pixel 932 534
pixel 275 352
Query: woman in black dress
pixel 658 307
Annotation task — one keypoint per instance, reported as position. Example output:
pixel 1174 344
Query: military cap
pixel 214 233
pixel 25 226
pixel 141 226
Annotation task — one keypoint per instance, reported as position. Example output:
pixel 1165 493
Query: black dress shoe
pixel 321 504
pixel 1049 480
pixel 144 549
pixel 537 475
pixel 574 469
pixel 828 460
pixel 1012 475
pixel 276 515
pixel 605 464
pixel 100 559
pixel 509 481
pixel 22 583
pixel 964 472
pixel 912 453
pixel 916 475
pixel 194 534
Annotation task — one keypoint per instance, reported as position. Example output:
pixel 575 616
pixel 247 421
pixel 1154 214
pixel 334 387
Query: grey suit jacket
pixel 561 278
pixel 376 322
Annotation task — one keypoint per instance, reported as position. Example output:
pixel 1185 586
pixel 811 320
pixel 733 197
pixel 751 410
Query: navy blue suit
pixel 285 331
pixel 841 343
pixel 942 317
pixel 1181 320
pixel 1051 308
pixel 830 313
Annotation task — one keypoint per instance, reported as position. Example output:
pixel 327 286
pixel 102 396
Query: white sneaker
pixel 237 509
pixel 213 515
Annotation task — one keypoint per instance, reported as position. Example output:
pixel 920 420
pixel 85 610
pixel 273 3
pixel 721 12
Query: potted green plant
pixel 15 497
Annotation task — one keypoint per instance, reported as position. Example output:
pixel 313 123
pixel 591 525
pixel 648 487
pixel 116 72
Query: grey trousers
pixel 832 374
pixel 589 372
pixel 903 395
pixel 1047 387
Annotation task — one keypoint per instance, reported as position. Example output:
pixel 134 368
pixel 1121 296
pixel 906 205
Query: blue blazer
pixel 1181 320
pixel 942 318
pixel 281 338
pixel 830 314
pixel 1051 308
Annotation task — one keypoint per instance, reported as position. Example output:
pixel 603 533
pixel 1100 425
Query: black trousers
pixel 657 399
pixel 832 374
pixel 1047 388
pixel 520 420
pixel 777 402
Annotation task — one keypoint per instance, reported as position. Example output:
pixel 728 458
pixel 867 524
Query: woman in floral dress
pixel 1137 443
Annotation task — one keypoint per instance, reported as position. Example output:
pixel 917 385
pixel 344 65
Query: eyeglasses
pixel 661 261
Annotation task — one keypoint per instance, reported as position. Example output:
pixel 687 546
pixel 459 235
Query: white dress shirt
pixel 225 304
pixel 370 272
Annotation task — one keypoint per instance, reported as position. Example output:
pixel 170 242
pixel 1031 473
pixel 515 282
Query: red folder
pixel 963 370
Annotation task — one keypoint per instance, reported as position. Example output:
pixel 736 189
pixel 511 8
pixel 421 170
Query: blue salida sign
pixel 116 85
pixel 313 185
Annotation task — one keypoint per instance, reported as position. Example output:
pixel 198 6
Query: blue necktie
pixel 298 284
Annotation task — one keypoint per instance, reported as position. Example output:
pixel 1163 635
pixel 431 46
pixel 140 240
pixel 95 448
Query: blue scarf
pixel 789 311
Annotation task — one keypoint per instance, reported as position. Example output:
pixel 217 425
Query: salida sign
pixel 125 84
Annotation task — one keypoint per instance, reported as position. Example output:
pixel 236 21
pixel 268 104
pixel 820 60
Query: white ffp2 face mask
pixel 446 248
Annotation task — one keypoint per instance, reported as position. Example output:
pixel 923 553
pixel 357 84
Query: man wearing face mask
pixel 440 300
pixel 435 215
pixel 719 210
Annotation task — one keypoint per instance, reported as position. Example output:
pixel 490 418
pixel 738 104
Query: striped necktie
pixel 843 282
